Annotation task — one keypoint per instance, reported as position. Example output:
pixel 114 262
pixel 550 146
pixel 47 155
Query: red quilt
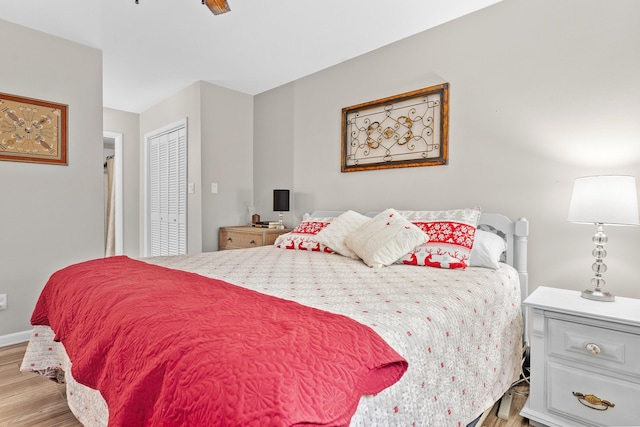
pixel 171 348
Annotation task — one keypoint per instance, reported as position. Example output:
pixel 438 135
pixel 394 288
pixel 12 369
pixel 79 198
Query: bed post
pixel 521 234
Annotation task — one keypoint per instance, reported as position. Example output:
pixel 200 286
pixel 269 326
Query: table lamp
pixel 600 200
pixel 281 204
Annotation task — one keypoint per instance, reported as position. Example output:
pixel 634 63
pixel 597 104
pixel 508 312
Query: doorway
pixel 112 147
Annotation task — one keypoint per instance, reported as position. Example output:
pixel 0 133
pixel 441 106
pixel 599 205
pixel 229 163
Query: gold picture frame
pixel 406 130
pixel 32 130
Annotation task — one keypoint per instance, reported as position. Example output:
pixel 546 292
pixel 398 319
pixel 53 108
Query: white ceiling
pixel 156 48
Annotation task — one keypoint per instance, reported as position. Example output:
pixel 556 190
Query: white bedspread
pixel 460 330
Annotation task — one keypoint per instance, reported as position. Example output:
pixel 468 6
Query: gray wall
pixel 220 132
pixel 541 93
pixel 274 150
pixel 184 104
pixel 227 160
pixel 51 215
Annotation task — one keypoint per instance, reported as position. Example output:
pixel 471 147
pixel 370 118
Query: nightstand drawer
pixel 595 346
pixel 564 381
pixel 236 239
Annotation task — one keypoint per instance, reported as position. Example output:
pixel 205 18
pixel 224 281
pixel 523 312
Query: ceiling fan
pixel 215 6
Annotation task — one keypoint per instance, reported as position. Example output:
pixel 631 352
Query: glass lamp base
pixel 598 295
pixel 281 221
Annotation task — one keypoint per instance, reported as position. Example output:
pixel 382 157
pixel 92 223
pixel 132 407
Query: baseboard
pixel 15 338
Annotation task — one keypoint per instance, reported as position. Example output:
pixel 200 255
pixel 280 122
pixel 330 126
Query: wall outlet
pixel 3 301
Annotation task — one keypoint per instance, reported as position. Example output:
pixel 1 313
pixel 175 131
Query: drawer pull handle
pixel 593 402
pixel 593 348
pixel 252 242
pixel 229 239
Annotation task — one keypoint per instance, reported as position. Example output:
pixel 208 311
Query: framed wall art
pixel 32 130
pixel 406 130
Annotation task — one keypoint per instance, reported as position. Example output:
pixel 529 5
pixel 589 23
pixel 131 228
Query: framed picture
pixel 406 130
pixel 32 130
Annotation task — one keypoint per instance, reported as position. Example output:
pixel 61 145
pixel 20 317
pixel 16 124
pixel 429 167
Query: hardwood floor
pixel 29 400
pixel 515 420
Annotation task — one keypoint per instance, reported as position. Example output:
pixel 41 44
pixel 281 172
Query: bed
pixel 455 334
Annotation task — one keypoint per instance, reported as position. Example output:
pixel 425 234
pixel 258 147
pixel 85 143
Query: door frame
pixel 118 188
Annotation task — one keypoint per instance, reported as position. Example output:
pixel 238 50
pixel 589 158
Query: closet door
pixel 168 193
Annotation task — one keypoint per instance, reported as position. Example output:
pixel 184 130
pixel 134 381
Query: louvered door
pixel 168 193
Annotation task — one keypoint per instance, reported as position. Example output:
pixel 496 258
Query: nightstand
pixel 246 236
pixel 585 360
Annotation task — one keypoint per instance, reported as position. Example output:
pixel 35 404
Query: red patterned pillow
pixel 303 237
pixel 451 234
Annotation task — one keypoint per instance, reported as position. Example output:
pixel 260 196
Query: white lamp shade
pixel 605 199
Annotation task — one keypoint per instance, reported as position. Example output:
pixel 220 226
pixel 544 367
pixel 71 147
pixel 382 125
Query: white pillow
pixel 486 250
pixel 384 238
pixel 334 234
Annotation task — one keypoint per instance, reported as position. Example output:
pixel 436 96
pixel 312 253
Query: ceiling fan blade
pixel 217 6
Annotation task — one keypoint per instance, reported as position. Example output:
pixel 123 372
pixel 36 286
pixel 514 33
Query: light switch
pixel 192 187
pixel 214 188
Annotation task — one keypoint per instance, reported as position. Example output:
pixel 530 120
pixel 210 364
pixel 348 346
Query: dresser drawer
pixel 595 346
pixel 231 239
pixel 563 381
pixel 243 236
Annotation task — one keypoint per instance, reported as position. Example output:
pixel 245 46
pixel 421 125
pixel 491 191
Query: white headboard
pixel 516 234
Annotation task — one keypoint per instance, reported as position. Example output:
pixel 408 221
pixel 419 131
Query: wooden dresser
pixel 246 236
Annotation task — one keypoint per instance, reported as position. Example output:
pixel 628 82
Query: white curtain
pixel 110 232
